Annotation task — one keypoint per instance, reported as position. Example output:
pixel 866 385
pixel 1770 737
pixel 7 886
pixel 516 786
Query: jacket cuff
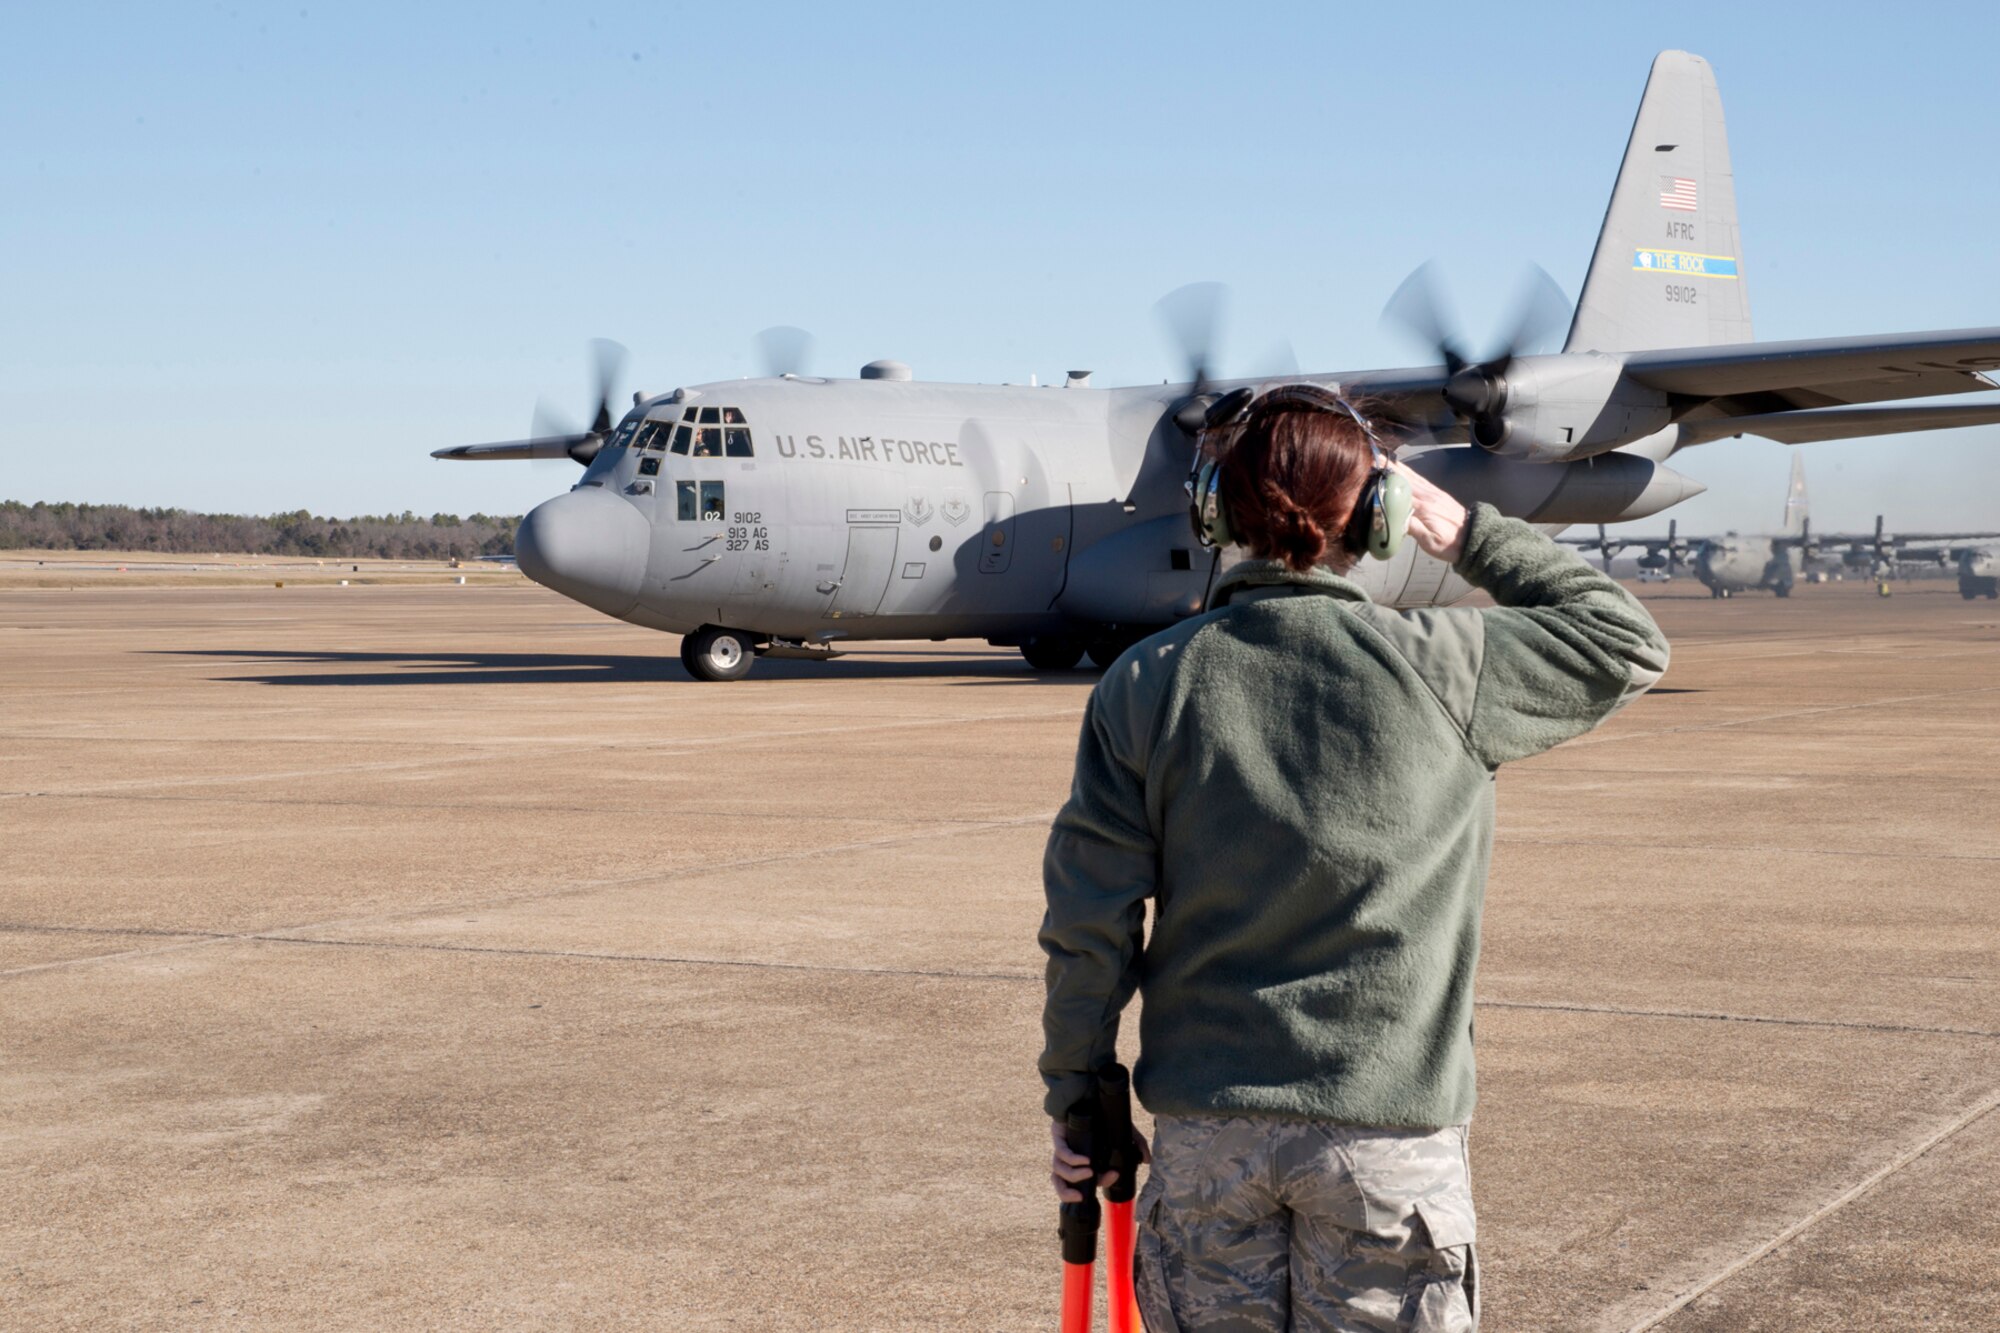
pixel 1064 1091
pixel 1485 529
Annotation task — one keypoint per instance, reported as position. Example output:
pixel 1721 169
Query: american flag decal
pixel 1677 192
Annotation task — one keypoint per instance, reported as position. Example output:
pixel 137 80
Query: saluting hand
pixel 1437 520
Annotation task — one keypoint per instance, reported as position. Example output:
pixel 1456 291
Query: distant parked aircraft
pixel 1732 563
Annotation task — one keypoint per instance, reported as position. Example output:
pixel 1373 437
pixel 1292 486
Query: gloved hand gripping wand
pixel 1121 1154
pixel 1076 1226
pixel 1099 1126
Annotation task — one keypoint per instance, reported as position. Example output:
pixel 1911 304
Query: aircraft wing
pixel 1620 543
pixel 543 446
pixel 1841 423
pixel 1823 372
pixel 1897 540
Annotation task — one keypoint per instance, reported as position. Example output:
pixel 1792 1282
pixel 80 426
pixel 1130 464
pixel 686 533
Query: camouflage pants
pixel 1253 1224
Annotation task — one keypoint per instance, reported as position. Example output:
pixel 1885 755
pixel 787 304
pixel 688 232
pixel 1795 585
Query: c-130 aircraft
pixel 790 514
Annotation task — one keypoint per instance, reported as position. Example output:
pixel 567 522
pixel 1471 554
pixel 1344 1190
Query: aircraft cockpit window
pixel 684 501
pixel 736 440
pixel 690 414
pixel 711 416
pixel 708 441
pixel 732 416
pixel 711 502
pixel 622 436
pixel 652 435
pixel 683 436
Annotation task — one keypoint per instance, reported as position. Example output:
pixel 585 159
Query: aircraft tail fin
pixel 1797 515
pixel 1668 267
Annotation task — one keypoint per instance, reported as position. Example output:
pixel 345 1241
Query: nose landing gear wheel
pixel 714 653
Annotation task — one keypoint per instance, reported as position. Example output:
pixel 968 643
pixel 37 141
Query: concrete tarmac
pixel 442 957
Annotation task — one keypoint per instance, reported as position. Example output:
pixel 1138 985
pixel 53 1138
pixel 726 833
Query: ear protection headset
pixel 1381 513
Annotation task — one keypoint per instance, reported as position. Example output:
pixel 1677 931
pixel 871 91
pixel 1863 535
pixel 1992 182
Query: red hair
pixel 1291 475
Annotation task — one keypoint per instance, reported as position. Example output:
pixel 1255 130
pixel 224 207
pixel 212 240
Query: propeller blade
pixel 1604 549
pixel 783 350
pixel 550 424
pixel 1416 308
pixel 1280 362
pixel 1540 312
pixel 549 421
pixel 607 361
pixel 1192 317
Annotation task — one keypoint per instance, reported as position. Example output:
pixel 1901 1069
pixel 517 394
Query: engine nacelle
pixel 1607 488
pixel 1571 405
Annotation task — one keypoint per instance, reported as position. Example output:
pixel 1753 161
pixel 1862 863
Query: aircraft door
pixel 996 543
pixel 871 559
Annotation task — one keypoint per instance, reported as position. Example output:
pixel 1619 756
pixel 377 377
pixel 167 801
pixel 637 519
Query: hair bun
pixel 1292 529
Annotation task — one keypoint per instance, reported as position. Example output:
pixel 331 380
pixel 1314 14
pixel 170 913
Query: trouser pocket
pixel 1446 1287
pixel 1149 1279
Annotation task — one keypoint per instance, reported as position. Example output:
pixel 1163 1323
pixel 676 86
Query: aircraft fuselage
pixel 813 511
pixel 1737 564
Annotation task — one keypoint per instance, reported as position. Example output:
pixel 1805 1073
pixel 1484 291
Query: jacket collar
pixel 1253 580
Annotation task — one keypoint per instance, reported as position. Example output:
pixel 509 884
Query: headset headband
pixel 1235 408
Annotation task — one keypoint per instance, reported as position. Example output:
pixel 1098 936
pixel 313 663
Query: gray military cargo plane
pixel 790 514
pixel 1979 573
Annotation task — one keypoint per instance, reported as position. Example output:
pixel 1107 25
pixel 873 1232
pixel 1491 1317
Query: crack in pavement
pixel 1599 739
pixel 1817 1215
pixel 664 749
pixel 567 889
pixel 287 935
pixel 1529 840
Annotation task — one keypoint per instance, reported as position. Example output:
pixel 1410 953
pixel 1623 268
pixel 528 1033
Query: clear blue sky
pixel 267 257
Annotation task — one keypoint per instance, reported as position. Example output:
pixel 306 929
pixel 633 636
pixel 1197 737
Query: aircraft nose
pixel 589 545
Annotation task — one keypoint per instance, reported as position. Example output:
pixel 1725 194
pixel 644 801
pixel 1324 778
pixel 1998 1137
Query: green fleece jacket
pixel 1302 782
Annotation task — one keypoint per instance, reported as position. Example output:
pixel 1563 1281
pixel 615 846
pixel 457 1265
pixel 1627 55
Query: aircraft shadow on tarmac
pixel 462 668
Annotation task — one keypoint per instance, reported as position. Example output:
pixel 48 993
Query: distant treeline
pixel 405 536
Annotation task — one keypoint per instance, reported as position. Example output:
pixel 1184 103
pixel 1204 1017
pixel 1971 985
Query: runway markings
pixel 1817 1215
pixel 1761 849
pixel 622 747
pixel 1600 738
pixel 1719 1016
pixel 286 934
pixel 290 935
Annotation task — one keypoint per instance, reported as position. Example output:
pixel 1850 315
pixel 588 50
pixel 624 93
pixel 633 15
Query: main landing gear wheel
pixel 1053 654
pixel 1108 649
pixel 714 653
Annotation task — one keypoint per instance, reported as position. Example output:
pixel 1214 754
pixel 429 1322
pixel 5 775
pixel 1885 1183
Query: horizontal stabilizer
pixel 1843 423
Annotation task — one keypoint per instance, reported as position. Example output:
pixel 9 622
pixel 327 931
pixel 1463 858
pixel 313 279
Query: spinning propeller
pixel 1475 392
pixel 552 430
pixel 554 436
pixel 783 350
pixel 1192 317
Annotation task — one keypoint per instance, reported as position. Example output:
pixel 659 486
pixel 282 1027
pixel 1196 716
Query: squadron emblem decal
pixel 919 509
pixel 955 509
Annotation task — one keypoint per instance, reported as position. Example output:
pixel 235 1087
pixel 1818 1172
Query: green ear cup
pixel 1389 516
pixel 1210 519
